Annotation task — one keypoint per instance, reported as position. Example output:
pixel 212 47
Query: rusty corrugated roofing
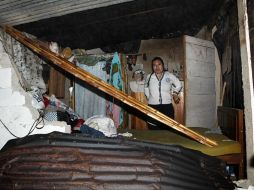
pixel 62 161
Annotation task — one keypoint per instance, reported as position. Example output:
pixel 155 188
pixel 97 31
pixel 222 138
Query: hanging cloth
pixel 115 79
pixel 89 101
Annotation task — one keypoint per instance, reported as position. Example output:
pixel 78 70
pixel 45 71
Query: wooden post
pixel 103 86
pixel 247 82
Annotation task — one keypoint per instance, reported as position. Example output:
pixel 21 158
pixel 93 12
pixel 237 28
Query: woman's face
pixel 157 67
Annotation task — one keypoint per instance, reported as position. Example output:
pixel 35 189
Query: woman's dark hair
pixel 158 58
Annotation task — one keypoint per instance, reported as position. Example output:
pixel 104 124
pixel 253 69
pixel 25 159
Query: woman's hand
pixel 176 98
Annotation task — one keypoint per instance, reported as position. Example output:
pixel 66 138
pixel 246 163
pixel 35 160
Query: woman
pixel 160 87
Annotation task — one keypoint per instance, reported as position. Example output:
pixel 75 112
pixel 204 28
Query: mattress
pixel 172 137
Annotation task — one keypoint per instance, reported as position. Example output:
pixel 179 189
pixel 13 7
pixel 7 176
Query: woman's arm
pixel 176 88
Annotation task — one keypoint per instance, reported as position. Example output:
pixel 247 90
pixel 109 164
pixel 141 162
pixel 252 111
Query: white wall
pixel 16 111
pixel 170 50
pixel 200 96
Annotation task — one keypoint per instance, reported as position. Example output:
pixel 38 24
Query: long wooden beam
pixel 105 87
pixel 247 78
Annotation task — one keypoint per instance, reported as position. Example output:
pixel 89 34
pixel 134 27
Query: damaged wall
pixel 226 39
pixel 235 65
pixel 28 64
pixel 16 111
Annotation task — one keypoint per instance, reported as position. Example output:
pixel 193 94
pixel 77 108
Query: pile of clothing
pixel 52 109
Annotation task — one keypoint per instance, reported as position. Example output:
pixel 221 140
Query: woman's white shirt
pixel 159 91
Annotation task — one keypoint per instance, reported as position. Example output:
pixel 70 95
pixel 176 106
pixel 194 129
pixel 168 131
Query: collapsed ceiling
pixel 123 22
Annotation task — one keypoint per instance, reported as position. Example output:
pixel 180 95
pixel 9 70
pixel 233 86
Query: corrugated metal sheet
pixel 15 12
pixel 61 161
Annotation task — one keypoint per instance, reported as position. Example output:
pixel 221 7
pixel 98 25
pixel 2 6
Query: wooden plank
pixel 136 122
pixel 56 83
pixel 103 86
pixel 247 82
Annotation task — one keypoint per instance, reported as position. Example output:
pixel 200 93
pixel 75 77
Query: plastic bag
pixel 103 124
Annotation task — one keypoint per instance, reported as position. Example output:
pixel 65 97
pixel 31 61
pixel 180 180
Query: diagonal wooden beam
pixel 105 87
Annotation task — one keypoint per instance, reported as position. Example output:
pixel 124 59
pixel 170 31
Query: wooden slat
pixel 103 86
pixel 56 83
